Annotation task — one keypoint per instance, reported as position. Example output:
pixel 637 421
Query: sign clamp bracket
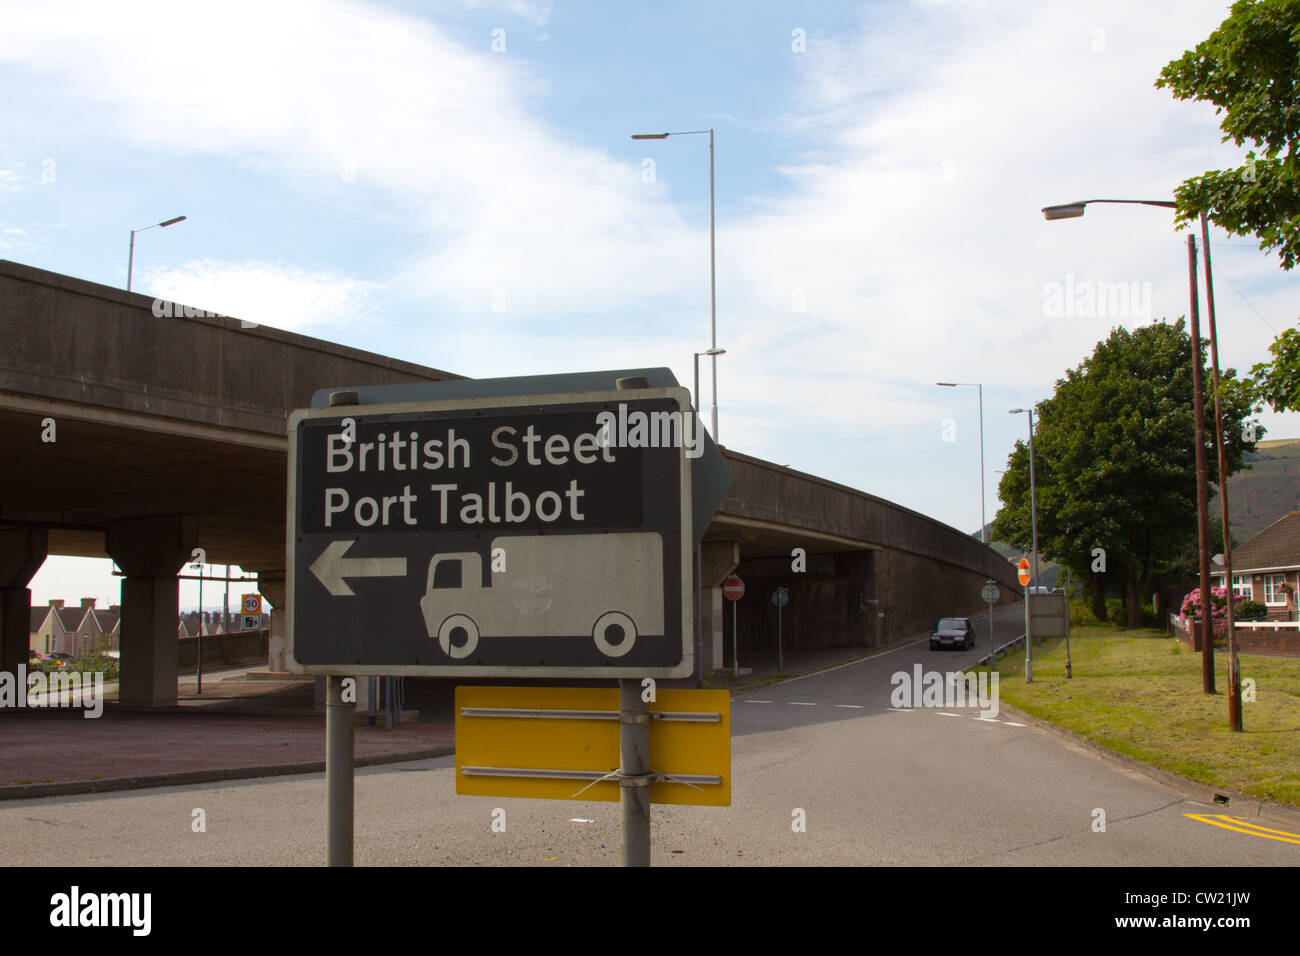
pixel 539 713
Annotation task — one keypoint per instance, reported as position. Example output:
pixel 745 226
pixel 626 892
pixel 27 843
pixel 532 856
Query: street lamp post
pixel 983 532
pixel 130 259
pixel 1033 519
pixel 1075 210
pixel 714 351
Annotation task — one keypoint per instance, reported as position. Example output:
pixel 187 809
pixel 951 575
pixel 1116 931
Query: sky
pixel 454 183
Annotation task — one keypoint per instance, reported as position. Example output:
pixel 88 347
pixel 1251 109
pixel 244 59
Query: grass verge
pixel 1139 693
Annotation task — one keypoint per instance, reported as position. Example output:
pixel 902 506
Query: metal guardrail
pixel 1001 651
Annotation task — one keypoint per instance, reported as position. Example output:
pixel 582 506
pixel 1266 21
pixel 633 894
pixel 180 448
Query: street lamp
pixel 715 353
pixel 983 533
pixel 1075 210
pixel 1033 519
pixel 713 285
pixel 130 261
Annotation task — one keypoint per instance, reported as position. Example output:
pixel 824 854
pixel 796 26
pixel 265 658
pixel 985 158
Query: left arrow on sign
pixel 331 568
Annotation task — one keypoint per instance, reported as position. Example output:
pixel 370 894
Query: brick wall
pixel 1282 642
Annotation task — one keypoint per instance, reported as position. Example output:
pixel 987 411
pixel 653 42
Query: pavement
pixel 240 727
pixel 248 723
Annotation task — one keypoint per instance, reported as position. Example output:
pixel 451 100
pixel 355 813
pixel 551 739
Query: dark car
pixel 953 632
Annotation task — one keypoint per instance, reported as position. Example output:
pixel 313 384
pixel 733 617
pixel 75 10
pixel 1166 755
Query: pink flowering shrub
pixel 1191 610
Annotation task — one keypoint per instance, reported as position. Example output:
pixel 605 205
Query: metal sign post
pixel 634 776
pixel 990 594
pixel 338 773
pixel 733 589
pixel 1022 575
pixel 780 597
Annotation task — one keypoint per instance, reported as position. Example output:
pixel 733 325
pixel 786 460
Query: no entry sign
pixel 1022 572
pixel 733 589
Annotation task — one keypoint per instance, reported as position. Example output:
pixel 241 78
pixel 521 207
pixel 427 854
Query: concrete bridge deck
pixel 140 437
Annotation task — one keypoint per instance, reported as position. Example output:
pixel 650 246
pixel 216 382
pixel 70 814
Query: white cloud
pixel 907 248
pixel 10 179
pixel 536 12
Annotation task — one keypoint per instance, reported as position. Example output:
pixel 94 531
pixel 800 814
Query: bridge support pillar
pixel 717 560
pixel 271 585
pixel 150 552
pixel 22 552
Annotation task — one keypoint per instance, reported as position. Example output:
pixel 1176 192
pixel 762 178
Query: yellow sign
pixel 554 743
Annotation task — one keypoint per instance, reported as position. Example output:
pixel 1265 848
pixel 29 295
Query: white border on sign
pixel 684 668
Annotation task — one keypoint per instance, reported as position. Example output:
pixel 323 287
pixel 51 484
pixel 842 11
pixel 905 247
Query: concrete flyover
pixel 142 437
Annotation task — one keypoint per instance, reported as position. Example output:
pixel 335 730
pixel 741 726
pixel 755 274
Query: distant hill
pixel 1267 491
pixel 1047 570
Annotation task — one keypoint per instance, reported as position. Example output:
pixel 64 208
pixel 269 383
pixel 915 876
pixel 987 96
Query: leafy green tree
pixel 1249 68
pixel 1278 382
pixel 1115 462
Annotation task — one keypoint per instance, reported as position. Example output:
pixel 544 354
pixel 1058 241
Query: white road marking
pixel 1012 723
pixel 752 701
pixel 801 703
pixel 944 713
pixel 854 706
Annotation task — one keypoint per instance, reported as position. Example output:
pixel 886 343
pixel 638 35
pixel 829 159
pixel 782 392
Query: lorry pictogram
pixel 549 587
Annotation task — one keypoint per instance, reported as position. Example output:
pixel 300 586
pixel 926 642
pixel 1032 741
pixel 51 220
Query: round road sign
pixel 990 594
pixel 780 597
pixel 1022 570
pixel 733 589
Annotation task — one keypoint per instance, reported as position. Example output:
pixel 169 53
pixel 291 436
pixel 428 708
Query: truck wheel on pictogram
pixel 458 627
pixel 614 633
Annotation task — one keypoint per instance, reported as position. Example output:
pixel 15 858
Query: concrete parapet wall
pixel 763 491
pixel 81 342
pixel 221 650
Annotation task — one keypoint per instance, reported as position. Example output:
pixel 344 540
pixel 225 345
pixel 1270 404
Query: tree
pixel 1249 68
pixel 1278 382
pixel 1115 462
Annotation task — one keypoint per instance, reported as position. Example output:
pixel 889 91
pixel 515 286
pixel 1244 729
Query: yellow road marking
pixel 1243 826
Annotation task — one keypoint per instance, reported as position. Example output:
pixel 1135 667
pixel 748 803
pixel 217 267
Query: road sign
pixel 781 597
pixel 545 535
pixel 251 603
pixel 554 743
pixel 733 589
pixel 1022 572
pixel 250 622
pixel 990 593
pixel 1050 614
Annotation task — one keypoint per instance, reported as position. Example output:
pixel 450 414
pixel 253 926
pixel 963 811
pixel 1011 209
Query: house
pixel 51 628
pixel 1267 568
pixel 56 629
